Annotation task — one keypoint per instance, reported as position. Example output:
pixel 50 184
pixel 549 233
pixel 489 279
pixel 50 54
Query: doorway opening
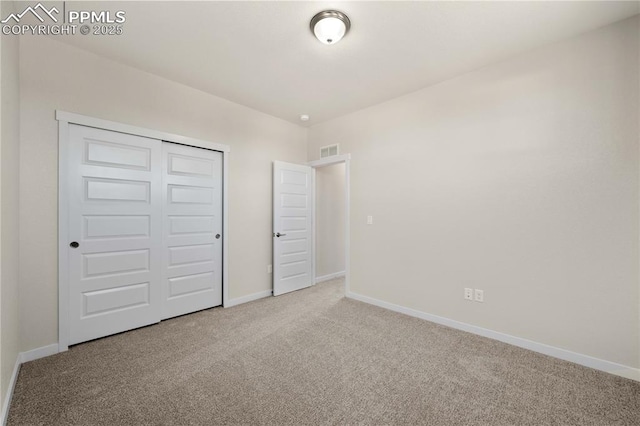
pixel 295 229
pixel 331 219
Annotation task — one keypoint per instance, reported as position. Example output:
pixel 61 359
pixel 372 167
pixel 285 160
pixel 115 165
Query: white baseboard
pixel 628 372
pixel 23 357
pixel 586 360
pixel 330 276
pixel 12 384
pixel 248 298
pixel 39 353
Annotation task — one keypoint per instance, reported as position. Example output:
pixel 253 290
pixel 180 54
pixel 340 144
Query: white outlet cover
pixel 269 269
pixel 479 295
pixel 468 293
pixel 369 220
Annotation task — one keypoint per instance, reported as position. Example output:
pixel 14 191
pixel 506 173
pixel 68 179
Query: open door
pixel 292 227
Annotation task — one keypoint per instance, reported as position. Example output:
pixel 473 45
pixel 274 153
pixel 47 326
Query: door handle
pixel 74 244
pixel 280 235
pixel 217 236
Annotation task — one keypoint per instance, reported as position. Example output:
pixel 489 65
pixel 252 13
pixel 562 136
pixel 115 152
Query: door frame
pixel 324 162
pixel 64 120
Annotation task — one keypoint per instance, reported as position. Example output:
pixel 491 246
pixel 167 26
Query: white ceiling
pixel 263 55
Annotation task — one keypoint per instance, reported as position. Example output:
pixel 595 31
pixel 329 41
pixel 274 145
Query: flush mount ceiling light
pixel 329 26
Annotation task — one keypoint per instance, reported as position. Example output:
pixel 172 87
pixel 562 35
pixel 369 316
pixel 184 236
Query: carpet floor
pixel 313 357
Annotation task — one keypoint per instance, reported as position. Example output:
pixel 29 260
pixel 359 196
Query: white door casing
pixel 192 229
pixel 114 217
pixel 292 227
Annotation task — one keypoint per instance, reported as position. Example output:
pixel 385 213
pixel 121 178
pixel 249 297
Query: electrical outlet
pixel 479 295
pixel 369 220
pixel 269 269
pixel 468 293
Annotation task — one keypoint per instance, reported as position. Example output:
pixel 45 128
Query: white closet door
pixel 292 227
pixel 192 235
pixel 114 232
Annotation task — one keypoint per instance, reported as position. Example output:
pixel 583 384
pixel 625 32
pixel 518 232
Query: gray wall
pixel 330 220
pixel 520 179
pixel 9 196
pixel 57 76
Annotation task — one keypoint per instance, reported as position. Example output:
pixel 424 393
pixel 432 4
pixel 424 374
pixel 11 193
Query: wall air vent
pixel 329 151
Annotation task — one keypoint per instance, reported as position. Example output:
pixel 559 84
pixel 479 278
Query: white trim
pixel 328 277
pixel 66 118
pixel 347 231
pixel 248 298
pixel 99 123
pixel 38 353
pixel 313 225
pixel 328 161
pixel 9 395
pixel 585 360
pixel 63 236
pixel 628 372
pixel 225 228
pixel 21 358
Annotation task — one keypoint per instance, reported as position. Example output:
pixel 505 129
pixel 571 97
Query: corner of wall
pixel 438 154
pixel 306 142
pixel 9 211
pixel 2 392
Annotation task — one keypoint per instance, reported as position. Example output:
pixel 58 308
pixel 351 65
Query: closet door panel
pixel 115 232
pixel 192 229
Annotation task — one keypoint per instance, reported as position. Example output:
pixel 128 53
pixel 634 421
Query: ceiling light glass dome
pixel 330 26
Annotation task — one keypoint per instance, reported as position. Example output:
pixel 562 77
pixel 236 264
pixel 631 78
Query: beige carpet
pixel 313 357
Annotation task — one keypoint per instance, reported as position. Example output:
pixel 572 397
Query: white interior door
pixel 292 227
pixel 192 235
pixel 114 232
